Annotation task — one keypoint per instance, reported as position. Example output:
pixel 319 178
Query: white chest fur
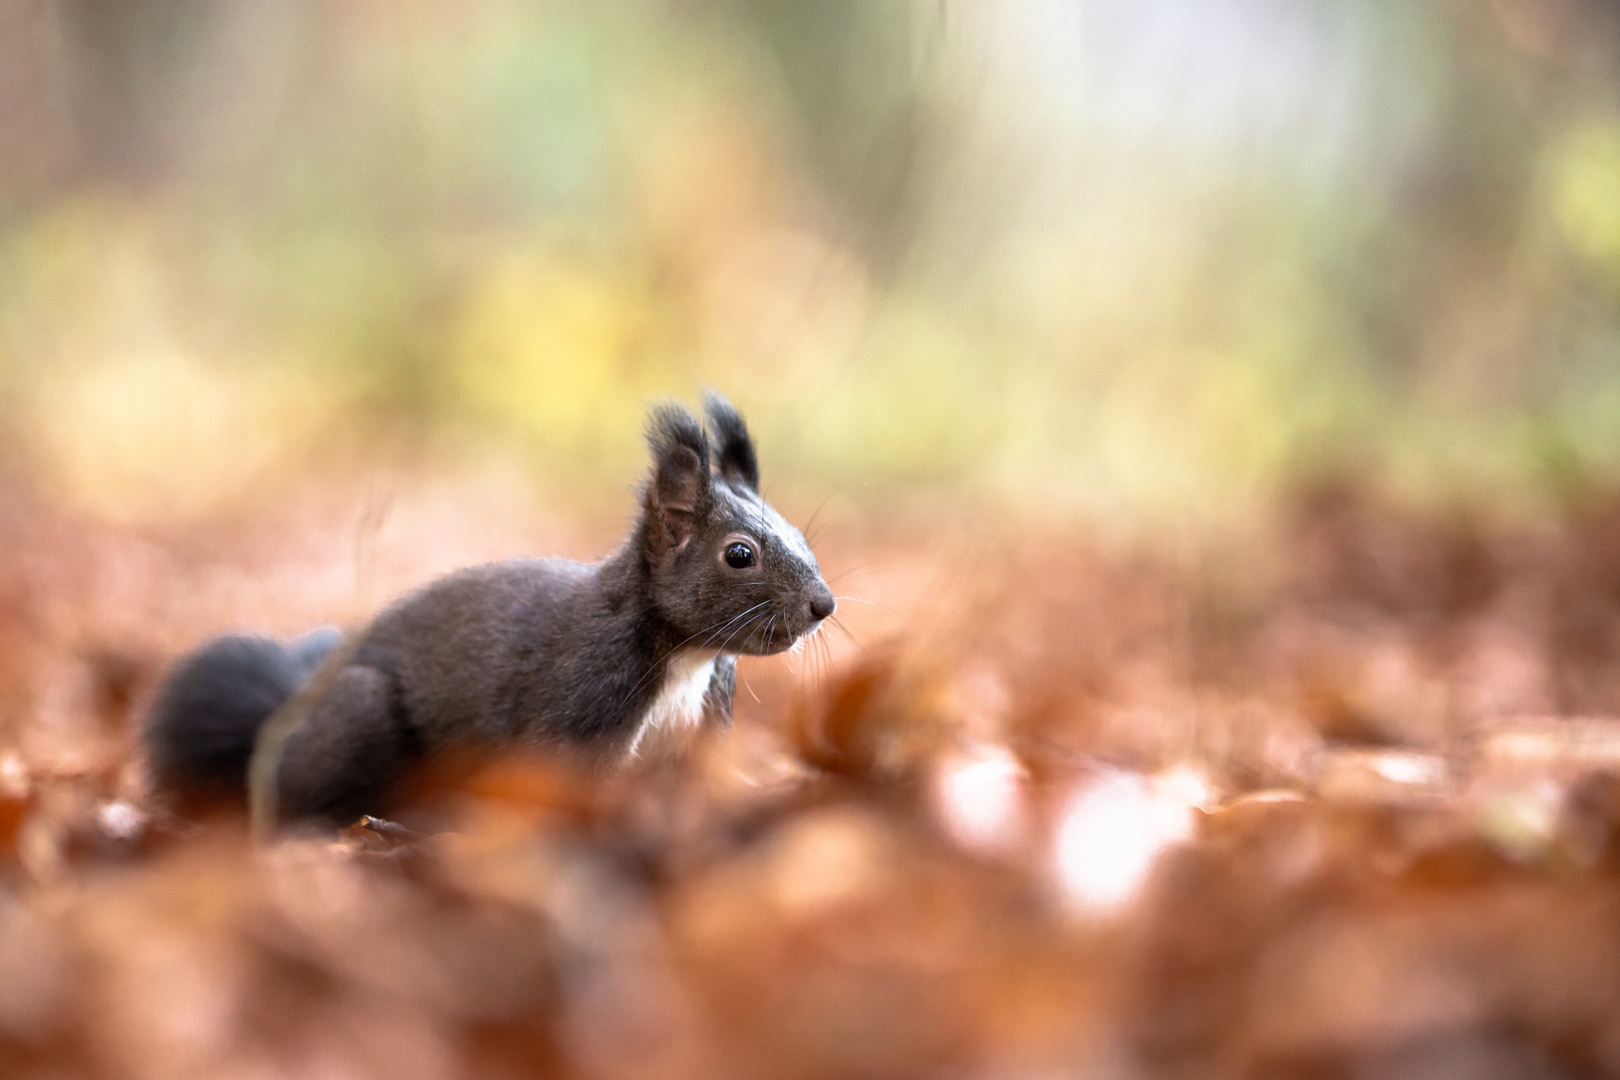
pixel 679 703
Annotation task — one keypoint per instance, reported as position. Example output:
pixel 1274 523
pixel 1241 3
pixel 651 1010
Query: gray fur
pixel 538 652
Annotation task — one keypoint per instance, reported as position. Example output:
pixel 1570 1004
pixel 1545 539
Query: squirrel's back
pixel 456 648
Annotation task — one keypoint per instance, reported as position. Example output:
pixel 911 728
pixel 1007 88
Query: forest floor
pixel 1335 797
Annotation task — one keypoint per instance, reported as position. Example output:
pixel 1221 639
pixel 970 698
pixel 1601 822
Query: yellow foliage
pixel 161 435
pixel 1586 190
pixel 563 355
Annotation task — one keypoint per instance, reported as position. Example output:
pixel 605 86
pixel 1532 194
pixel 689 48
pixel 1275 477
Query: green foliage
pixel 923 244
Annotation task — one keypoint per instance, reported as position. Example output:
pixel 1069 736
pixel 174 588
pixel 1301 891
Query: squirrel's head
pixel 728 573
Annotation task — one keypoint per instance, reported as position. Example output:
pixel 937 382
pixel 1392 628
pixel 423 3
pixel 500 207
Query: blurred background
pixel 1167 258
pixel 1207 411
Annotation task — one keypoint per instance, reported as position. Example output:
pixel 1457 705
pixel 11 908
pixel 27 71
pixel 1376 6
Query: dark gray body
pixel 537 651
pixel 544 653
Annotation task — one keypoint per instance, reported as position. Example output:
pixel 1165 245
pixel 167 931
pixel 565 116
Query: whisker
pixel 707 641
pixel 865 569
pixel 832 664
pixel 824 668
pixel 659 663
pixel 788 662
pixel 869 603
pixel 722 625
pixel 765 634
pixel 839 623
pixel 811 524
pixel 742 629
pixel 739 630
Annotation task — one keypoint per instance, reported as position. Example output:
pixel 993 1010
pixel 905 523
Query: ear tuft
pixel 734 449
pixel 679 491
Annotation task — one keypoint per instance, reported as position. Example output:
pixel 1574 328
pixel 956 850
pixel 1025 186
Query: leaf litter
pixel 1339 803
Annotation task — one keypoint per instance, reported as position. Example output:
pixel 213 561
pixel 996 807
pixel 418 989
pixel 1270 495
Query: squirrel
pixel 585 659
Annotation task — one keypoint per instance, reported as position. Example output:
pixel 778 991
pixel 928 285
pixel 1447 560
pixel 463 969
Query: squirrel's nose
pixel 823 605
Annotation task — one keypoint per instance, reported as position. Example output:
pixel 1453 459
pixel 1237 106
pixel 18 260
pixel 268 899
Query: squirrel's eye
pixel 739 556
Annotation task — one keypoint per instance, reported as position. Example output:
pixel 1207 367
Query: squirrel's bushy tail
pixel 200 733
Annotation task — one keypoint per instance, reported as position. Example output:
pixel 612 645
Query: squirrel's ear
pixel 733 449
pixel 679 492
